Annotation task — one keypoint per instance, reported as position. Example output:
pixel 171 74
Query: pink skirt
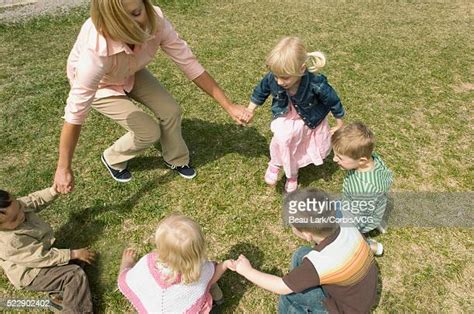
pixel 294 145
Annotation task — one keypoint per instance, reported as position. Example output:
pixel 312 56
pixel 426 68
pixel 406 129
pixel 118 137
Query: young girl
pixel 176 277
pixel 301 102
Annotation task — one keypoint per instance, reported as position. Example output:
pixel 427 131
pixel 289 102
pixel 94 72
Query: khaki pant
pixel 72 281
pixel 144 130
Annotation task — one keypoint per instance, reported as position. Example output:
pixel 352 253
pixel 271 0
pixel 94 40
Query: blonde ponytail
pixel 315 61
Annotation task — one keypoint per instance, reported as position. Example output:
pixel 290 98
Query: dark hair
pixel 319 221
pixel 5 200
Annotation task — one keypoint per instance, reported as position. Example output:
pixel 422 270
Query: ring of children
pixel 403 69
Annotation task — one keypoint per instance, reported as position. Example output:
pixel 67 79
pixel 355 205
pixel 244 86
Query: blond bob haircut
pixel 181 247
pixel 111 20
pixel 289 58
pixel 354 140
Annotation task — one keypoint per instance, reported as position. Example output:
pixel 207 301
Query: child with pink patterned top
pixel 176 277
pixel 302 99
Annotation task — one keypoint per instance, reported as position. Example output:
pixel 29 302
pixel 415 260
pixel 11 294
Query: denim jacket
pixel 313 100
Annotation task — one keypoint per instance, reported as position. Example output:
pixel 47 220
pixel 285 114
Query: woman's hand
pixel 64 180
pixel 239 114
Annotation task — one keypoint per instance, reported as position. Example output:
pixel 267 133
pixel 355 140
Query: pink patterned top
pixel 144 286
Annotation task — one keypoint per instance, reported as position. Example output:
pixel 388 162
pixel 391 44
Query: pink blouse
pixel 99 67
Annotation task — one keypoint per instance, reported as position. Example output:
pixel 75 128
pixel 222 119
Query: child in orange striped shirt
pixel 337 274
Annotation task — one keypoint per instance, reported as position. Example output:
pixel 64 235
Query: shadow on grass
pixel 208 141
pixel 85 227
pixel 235 285
pixel 379 287
pixel 312 173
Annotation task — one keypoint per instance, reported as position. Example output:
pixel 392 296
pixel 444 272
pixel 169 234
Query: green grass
pixel 403 67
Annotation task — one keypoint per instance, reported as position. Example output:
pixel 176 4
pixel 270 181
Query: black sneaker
pixel 118 175
pixel 185 171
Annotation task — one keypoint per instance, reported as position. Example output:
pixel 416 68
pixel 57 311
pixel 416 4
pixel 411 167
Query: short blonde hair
pixel 354 140
pixel 180 245
pixel 289 55
pixel 111 20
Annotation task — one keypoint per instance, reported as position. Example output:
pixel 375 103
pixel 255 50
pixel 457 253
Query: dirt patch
pixel 24 12
pixel 464 87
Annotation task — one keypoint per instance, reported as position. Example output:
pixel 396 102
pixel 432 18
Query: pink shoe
pixel 291 184
pixel 271 175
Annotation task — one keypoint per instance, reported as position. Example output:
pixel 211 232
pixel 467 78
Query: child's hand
pixel 238 113
pixel 242 265
pixel 339 124
pixel 250 113
pixel 53 189
pixel 230 264
pixel 84 255
pixel 129 256
pixel 333 130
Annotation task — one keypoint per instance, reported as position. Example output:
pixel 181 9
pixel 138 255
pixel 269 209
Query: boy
pixel 367 181
pixel 337 275
pixel 28 258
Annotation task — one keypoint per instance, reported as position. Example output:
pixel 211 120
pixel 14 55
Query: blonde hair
pixel 354 140
pixel 111 20
pixel 180 246
pixel 289 55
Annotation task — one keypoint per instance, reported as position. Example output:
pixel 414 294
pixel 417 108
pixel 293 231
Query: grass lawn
pixel 405 68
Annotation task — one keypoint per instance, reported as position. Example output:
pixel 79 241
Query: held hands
pixel 240 115
pixel 242 265
pixel 64 180
pixel 84 254
pixel 339 124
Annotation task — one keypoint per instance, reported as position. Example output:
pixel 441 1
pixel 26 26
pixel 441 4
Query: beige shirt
pixel 28 248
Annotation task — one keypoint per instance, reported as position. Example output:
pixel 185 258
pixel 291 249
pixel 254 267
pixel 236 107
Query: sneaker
pixel 185 171
pixel 118 175
pixel 381 229
pixel 217 295
pixel 291 185
pixel 375 247
pixel 271 175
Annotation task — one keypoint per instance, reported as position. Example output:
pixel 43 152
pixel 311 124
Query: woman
pixel 106 69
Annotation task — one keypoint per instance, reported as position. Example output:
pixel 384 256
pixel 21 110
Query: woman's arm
pixel 210 87
pixel 64 177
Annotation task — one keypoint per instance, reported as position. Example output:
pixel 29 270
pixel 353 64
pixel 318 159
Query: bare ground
pixel 24 12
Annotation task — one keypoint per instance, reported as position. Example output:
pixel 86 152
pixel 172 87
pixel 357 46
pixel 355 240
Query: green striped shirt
pixel 367 194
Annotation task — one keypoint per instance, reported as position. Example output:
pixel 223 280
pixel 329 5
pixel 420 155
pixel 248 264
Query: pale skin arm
pixel 220 270
pixel 64 178
pixel 339 124
pixel 207 84
pixel 266 281
pixel 251 109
